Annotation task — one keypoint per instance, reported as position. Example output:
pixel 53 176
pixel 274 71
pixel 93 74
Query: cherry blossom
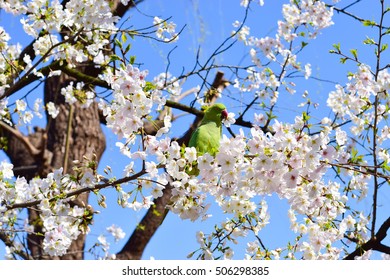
pixel 290 160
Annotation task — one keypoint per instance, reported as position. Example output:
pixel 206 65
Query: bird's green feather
pixel 207 136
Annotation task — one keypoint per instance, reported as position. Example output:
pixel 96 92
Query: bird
pixel 207 136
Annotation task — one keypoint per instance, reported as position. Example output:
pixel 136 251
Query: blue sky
pixel 208 23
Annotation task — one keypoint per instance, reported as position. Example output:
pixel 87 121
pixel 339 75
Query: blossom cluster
pixel 43 20
pixel 52 16
pixel 166 31
pixel 245 3
pixel 75 94
pixel 356 100
pixel 91 19
pixel 310 13
pixel 289 163
pixel 9 54
pixel 104 245
pixel 131 103
pixel 61 223
pixel 312 17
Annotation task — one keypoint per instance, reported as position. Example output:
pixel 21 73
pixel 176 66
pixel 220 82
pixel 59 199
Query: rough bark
pixel 86 139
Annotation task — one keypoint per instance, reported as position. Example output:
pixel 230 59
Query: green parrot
pixel 207 136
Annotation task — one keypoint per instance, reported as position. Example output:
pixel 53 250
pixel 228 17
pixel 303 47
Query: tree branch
pixel 26 80
pixel 23 139
pixel 373 243
pixel 79 191
pixel 8 242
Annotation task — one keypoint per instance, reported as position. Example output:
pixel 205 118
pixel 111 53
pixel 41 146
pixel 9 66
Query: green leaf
pixel 132 33
pixel 384 47
pixel 132 59
pixel 343 60
pixel 305 117
pixel 369 22
pixel 128 48
pixel 354 53
pixel 270 115
pixel 114 57
pixel 303 44
pixel 385 166
pixel 118 43
pixel 124 37
pixel 268 70
pixel 369 41
pixel 355 157
pixel 337 47
pixel 302 34
pixel 149 86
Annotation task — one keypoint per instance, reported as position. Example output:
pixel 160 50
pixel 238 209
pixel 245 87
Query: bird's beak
pixel 224 114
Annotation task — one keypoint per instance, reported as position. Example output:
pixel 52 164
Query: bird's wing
pixel 206 138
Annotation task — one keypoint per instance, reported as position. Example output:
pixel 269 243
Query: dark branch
pixel 373 243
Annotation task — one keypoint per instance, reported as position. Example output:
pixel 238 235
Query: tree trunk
pixel 86 139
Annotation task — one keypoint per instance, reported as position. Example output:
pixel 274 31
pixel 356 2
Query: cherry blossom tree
pixel 327 165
